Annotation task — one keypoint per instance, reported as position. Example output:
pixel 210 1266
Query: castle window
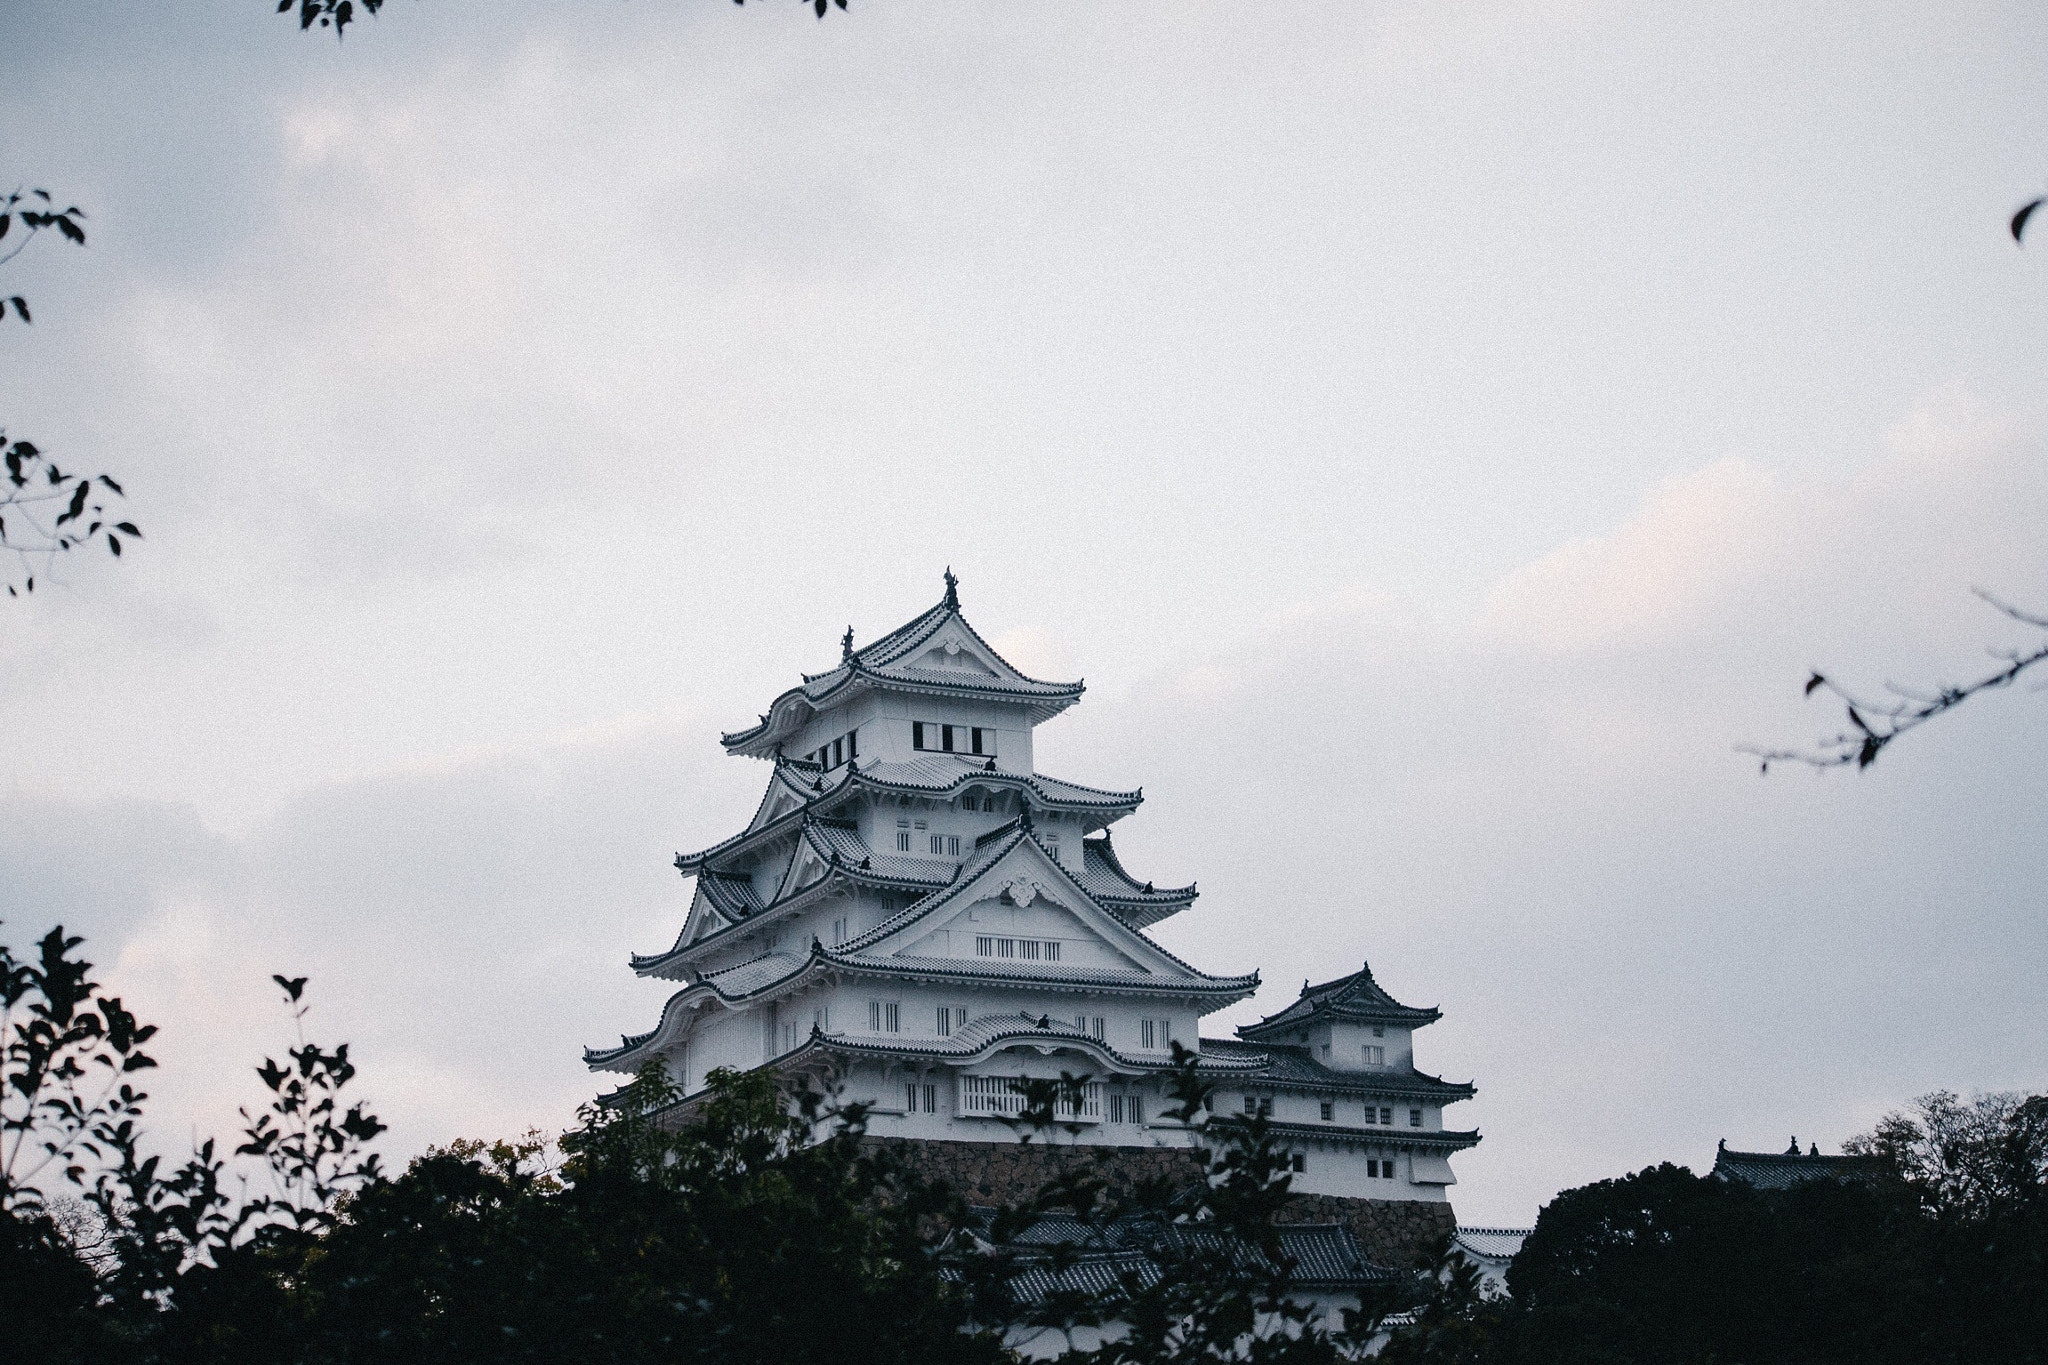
pixel 1387 1116
pixel 1095 1024
pixel 917 734
pixel 1326 1049
pixel 952 845
pixel 1414 1118
pixel 1379 1030
pixel 1116 1108
pixel 1052 846
pixel 838 932
pixel 1375 1056
pixel 903 841
pixel 984 737
pixel 1251 1105
pixel 1372 1168
pixel 938 843
pixel 1136 1109
pixel 1297 1163
pixel 1329 1111
pixel 1155 1034
pixel 931 1099
pixel 945 1022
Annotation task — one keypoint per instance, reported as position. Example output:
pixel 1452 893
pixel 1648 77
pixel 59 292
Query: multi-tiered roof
pixel 751 935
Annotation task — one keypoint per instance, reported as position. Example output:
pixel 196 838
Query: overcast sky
pixel 1440 434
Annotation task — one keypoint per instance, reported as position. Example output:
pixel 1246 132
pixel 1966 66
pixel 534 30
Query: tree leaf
pixel 2019 220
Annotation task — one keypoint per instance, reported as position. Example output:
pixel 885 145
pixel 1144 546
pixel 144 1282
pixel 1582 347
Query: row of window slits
pixel 844 749
pixel 1026 949
pixel 1374 1113
pixel 953 739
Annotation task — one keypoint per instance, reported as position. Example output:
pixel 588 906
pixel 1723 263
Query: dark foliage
pixel 1942 1258
pixel 759 1228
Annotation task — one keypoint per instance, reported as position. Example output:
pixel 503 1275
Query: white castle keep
pixel 916 911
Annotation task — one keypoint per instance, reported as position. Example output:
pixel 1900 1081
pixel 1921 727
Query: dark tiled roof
pixel 1106 880
pixel 1324 1256
pixel 1783 1170
pixel 1294 1066
pixel 1493 1244
pixel 1356 998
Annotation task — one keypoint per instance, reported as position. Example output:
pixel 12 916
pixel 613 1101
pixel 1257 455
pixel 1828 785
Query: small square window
pixel 1329 1111
pixel 1297 1163
pixel 1414 1118
pixel 1379 1030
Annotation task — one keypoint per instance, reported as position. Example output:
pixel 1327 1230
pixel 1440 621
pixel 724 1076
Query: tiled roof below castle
pixel 1783 1170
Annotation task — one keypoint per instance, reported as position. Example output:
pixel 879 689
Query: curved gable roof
pixel 1356 998
pixel 892 662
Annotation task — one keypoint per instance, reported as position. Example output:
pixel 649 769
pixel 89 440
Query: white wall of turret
pixel 886 723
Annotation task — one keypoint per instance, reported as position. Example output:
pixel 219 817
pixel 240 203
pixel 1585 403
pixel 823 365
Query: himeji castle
pixel 917 912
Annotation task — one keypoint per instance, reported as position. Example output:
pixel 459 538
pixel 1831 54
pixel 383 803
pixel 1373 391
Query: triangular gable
pixel 702 921
pixel 805 867
pixel 1023 875
pixel 945 644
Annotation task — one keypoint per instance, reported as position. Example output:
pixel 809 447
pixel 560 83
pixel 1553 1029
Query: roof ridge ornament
pixel 846 645
pixel 952 589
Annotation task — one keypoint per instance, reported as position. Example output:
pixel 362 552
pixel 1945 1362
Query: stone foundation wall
pixel 1393 1232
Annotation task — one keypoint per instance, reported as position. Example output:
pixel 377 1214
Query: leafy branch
pixel 33 488
pixel 1875 723
pixel 34 220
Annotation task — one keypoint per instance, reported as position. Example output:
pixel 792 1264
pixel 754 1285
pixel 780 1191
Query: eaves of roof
pixel 827 791
pixel 1435 1138
pixel 1295 1068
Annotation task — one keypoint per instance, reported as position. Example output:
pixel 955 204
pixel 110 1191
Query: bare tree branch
pixel 1876 723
